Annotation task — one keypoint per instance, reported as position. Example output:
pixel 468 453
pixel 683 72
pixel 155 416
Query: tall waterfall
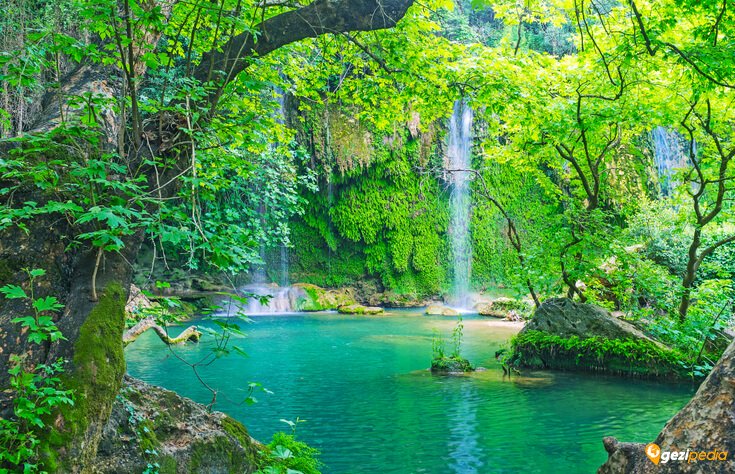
pixel 284 279
pixel 459 158
pixel 669 152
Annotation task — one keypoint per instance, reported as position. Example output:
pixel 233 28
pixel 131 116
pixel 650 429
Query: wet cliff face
pixel 706 423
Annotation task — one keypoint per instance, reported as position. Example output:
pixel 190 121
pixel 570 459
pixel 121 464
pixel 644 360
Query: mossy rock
pixel 360 309
pixel 504 307
pixel 629 357
pixel 450 365
pixel 153 425
pixel 440 310
pixel 315 298
pixel 567 335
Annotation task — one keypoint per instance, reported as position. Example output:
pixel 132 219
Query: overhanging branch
pixel 318 18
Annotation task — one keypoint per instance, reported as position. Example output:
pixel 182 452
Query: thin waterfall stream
pixel 669 155
pixel 458 162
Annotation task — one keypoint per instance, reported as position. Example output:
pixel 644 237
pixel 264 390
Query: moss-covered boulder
pixel 150 425
pixel 370 293
pixel 505 308
pixel 360 309
pixel 567 335
pixel 440 310
pixel 314 298
pixel 449 365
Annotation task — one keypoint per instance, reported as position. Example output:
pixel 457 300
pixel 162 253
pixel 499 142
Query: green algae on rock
pixel 315 298
pixel 96 378
pixel 360 309
pixel 567 335
pixel 151 425
pixel 449 365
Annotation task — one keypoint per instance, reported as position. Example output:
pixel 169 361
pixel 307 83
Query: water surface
pixel 371 407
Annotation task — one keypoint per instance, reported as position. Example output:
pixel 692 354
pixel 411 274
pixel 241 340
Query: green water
pixel 371 408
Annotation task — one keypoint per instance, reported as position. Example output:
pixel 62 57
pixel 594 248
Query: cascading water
pixel 457 163
pixel 669 154
pixel 330 204
pixel 284 279
pixel 282 300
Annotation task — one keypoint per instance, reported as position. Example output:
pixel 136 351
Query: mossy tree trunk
pixel 92 349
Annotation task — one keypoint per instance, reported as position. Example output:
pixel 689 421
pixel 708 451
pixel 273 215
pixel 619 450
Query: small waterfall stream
pixel 282 300
pixel 284 279
pixel 669 153
pixel 459 158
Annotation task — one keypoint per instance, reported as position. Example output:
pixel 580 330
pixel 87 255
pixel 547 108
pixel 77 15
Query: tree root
pixel 189 334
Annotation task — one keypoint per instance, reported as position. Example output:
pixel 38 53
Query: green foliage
pixel 286 455
pixel 384 220
pixel 702 335
pixel 220 339
pixel 454 362
pixel 628 356
pixel 457 334
pixel 437 345
pixel 37 390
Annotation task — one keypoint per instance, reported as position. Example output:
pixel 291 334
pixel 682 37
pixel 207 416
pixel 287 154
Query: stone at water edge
pixel 359 309
pixel 185 436
pixel 315 298
pixel 504 308
pixel 564 317
pixel 451 365
pixel 551 340
pixel 706 423
pixel 440 310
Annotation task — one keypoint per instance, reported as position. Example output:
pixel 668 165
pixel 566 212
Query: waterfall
pixel 284 279
pixel 330 204
pixel 282 300
pixel 259 275
pixel 669 153
pixel 459 158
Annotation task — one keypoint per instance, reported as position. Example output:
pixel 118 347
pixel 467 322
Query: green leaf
pixel 37 272
pixel 50 303
pixel 13 292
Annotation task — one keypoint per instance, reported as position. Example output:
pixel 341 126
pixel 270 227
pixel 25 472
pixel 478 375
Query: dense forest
pixel 564 164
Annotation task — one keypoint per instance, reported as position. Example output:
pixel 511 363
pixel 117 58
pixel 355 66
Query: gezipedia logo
pixel 654 453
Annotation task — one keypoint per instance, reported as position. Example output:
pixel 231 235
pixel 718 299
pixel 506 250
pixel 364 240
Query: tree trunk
pixel 690 274
pixel 92 348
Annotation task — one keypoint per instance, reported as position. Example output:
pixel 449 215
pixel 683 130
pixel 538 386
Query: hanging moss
pixel 382 217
